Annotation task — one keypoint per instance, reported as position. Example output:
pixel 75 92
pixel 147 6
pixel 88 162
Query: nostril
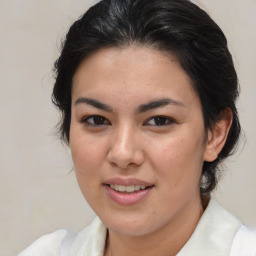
pixel 113 164
pixel 125 155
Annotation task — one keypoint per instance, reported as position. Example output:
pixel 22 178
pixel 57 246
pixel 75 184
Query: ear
pixel 217 135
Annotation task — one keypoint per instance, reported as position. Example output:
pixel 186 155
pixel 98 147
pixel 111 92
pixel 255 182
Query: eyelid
pixel 86 118
pixel 169 119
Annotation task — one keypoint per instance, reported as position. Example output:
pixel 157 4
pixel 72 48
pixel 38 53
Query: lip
pixel 127 182
pixel 127 199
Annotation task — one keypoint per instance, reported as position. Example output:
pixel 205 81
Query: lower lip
pixel 127 198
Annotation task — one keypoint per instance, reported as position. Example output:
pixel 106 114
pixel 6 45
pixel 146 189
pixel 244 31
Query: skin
pixel 126 142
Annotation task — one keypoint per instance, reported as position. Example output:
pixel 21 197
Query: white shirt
pixel 213 236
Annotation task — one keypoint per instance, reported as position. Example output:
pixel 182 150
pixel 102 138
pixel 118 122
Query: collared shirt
pixel 213 236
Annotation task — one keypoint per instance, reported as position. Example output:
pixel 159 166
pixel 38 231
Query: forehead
pixel 132 71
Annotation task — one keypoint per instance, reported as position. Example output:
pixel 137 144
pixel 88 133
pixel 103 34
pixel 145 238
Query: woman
pixel 147 92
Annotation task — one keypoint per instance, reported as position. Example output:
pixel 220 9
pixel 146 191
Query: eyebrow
pixel 158 103
pixel 142 108
pixel 94 103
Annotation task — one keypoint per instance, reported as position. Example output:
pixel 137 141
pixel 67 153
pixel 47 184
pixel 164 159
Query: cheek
pixel 179 160
pixel 85 154
pixel 85 148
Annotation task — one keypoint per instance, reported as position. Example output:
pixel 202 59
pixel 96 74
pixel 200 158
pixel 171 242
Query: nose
pixel 125 148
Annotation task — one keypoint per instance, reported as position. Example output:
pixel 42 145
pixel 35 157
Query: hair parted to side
pixel 175 26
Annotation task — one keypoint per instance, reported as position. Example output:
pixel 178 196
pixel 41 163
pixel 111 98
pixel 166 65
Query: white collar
pixel 213 235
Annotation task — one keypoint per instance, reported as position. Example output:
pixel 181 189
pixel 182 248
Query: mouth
pixel 127 189
pixel 127 195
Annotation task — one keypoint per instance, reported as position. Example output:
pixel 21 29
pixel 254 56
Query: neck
pixel 167 241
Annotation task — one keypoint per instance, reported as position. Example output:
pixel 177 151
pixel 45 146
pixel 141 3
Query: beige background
pixel 37 195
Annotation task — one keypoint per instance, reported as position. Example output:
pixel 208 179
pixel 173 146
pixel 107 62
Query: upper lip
pixel 127 182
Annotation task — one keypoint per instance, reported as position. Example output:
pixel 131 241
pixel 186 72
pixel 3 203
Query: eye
pixel 159 121
pixel 95 120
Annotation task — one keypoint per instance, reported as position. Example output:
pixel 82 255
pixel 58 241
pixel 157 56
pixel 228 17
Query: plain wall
pixel 38 193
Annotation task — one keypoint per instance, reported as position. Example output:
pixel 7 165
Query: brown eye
pixel 159 121
pixel 96 120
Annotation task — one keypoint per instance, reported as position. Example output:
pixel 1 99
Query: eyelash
pixel 93 117
pixel 164 121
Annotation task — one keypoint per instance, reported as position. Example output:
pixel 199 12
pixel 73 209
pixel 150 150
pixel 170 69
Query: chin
pixel 132 226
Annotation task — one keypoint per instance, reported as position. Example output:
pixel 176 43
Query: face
pixel 137 139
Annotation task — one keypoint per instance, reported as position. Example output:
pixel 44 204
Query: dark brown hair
pixel 176 26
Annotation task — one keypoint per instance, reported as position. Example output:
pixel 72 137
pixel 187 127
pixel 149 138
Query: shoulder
pixel 220 233
pixel 46 245
pixel 90 241
pixel 244 242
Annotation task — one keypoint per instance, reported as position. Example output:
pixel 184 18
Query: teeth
pixel 129 189
pixel 121 188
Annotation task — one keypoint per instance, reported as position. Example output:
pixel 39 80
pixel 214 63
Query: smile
pixel 128 189
pixel 127 195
